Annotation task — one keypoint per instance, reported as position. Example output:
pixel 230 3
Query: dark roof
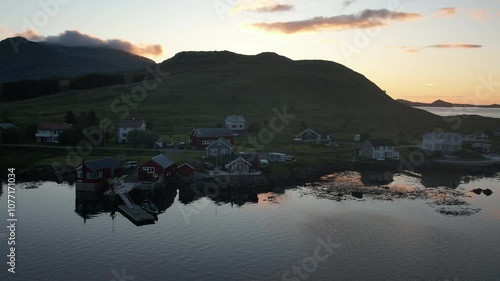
pixel 49 126
pixel 381 142
pixel 196 163
pixel 135 123
pixel 163 161
pixel 7 126
pixel 223 141
pixel 309 129
pixel 235 118
pixel 213 132
pixel 249 157
pixel 97 165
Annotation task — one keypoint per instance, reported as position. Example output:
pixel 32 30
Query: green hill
pixel 22 59
pixel 204 87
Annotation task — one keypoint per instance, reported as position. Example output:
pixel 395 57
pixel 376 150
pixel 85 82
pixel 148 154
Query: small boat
pixel 150 207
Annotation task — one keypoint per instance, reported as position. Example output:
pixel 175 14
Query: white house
pixel 441 141
pixel 235 122
pixel 378 149
pixel 477 137
pixel 49 133
pixel 482 147
pixel 311 135
pixel 219 147
pixel 125 126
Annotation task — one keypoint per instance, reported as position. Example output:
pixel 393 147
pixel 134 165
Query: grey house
pixel 220 147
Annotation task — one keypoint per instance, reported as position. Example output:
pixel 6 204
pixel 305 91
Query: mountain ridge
pixel 442 103
pixel 21 59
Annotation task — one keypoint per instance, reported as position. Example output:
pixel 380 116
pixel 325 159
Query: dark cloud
pixel 347 3
pixel 408 49
pixel 365 19
pixel 460 46
pixel 266 6
pixel 274 8
pixel 74 38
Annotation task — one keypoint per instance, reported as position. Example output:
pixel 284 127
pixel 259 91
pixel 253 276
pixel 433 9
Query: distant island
pixel 442 103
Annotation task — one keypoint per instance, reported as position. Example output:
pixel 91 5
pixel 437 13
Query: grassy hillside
pixel 204 87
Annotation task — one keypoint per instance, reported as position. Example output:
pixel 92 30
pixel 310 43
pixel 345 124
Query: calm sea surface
pixel 255 237
pixel 447 111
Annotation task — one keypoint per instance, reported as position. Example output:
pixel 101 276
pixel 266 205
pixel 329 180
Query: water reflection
pixel 234 197
pixel 89 205
pixel 450 180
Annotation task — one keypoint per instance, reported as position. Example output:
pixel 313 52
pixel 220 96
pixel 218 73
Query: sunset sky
pixel 414 49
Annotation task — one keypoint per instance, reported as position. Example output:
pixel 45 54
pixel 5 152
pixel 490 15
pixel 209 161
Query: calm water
pixel 258 240
pixel 448 111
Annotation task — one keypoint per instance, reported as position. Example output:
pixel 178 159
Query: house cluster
pixel 449 142
pixel 50 132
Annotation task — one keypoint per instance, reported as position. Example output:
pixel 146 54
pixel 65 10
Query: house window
pixel 99 175
pixel 224 151
pixel 149 170
pixel 234 126
pixel 213 151
pixel 241 126
pixel 91 175
pixel 124 135
pixel 79 174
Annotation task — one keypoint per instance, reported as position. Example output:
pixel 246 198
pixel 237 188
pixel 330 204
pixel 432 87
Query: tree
pixel 133 137
pixel 92 119
pixel 70 117
pixel 26 89
pixel 6 117
pixel 145 138
pixel 254 127
pixel 218 125
pixel 365 136
pixel 82 120
pixel 10 136
pixel 30 131
pixel 97 80
pixel 70 137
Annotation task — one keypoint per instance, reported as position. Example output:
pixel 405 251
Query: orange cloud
pixel 74 38
pixel 408 49
pixel 363 20
pixel 445 12
pixel 477 14
pixel 31 35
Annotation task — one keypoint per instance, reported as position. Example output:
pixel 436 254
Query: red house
pixel 158 168
pixel 188 168
pixel 93 176
pixel 203 137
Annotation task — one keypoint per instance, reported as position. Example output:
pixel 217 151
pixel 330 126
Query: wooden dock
pixel 137 214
